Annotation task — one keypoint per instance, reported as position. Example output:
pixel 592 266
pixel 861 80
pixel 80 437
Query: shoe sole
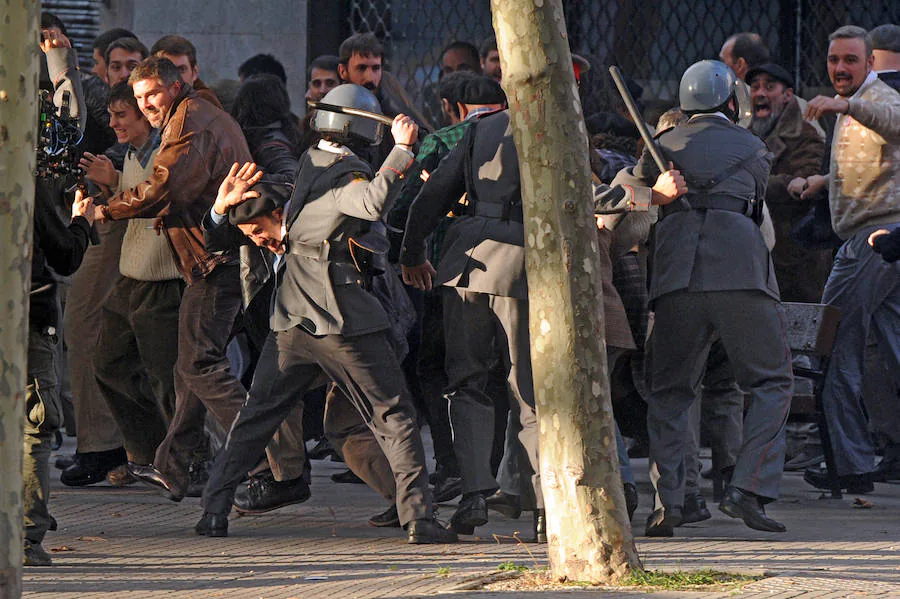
pixel 509 512
pixel 85 482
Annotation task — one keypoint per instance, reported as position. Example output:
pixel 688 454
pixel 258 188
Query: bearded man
pixel 798 150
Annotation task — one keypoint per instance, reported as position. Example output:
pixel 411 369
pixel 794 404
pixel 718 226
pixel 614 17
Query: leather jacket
pixel 199 143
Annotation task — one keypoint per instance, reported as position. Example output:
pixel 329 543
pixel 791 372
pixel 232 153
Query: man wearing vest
pixel 713 274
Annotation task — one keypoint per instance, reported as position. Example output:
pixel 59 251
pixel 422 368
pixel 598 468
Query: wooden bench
pixel 811 330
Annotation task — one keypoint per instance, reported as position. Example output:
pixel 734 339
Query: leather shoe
pixel 212 525
pixel 427 531
pixel 694 509
pixel 748 507
pixel 263 493
pixel 540 525
pixel 888 469
pixel 347 476
pixel 389 518
pixel 472 512
pixel 505 503
pixel 323 450
pixel 631 499
pixel 446 487
pixel 149 474
pixel 91 467
pixel 857 484
pixel 35 555
pixel 662 521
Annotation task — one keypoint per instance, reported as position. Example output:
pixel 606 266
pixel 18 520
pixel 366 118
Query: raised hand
pixel 404 130
pixel 235 187
pixel 99 169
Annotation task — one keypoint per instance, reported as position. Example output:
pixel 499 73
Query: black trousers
pixel 366 370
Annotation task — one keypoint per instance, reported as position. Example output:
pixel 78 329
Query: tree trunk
pixel 589 533
pixel 18 117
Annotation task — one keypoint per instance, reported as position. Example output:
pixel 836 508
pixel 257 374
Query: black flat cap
pixel 775 71
pixel 274 192
pixel 481 89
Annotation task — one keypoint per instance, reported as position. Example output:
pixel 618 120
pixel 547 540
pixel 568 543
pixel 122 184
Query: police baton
pixel 352 112
pixel 649 142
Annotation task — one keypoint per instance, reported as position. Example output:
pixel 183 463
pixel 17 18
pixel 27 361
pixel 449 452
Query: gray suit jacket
pixel 320 288
pixel 709 250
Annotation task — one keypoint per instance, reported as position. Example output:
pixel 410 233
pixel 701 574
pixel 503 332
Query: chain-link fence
pixel 653 42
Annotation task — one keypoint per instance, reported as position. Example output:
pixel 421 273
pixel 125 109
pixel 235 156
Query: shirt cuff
pixel 217 219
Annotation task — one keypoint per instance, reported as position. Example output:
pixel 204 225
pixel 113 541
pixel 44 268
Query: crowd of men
pixel 248 268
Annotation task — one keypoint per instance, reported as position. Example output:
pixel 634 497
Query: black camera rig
pixel 58 139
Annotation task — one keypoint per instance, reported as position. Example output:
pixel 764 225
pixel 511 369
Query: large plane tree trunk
pixel 18 116
pixel 589 534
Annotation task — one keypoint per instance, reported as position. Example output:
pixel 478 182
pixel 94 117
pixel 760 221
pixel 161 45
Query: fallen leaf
pixel 861 503
pixel 93 539
pixel 61 548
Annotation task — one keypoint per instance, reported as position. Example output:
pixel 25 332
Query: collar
pixel 483 110
pixel 705 114
pixel 143 153
pixel 872 76
pixel 886 71
pixel 334 148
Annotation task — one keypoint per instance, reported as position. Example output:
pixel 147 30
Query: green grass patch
pixel 512 567
pixel 680 581
pixel 443 571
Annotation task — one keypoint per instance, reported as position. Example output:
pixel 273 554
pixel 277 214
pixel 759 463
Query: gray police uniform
pixel 485 293
pixel 324 321
pixel 713 275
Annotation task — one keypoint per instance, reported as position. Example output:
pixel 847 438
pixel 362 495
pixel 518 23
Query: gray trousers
pixel 475 326
pixel 91 283
pixel 720 412
pixel 866 290
pixel 365 367
pixel 43 415
pixel 752 328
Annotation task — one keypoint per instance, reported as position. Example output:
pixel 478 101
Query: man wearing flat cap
pixel 798 150
pixel 324 319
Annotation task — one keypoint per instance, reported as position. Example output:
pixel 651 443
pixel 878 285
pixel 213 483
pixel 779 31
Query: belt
pixel 499 211
pixel 742 206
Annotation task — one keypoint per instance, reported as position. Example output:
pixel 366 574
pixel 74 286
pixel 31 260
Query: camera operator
pixel 58 248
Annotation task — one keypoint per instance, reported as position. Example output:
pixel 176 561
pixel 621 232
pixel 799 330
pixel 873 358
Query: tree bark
pixel 18 118
pixel 589 534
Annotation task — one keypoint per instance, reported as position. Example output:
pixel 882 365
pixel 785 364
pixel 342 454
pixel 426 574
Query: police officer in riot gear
pixel 323 320
pixel 713 277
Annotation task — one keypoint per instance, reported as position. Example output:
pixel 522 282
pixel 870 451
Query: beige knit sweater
pixel 146 255
pixel 864 179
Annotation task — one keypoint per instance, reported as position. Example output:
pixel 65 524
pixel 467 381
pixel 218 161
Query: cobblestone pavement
pixel 133 543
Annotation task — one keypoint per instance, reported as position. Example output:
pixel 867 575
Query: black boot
pixel 471 512
pixel 212 525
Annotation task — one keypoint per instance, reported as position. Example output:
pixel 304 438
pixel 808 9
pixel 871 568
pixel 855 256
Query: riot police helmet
pixel 345 126
pixel 706 86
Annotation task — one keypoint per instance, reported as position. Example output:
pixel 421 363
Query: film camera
pixel 58 138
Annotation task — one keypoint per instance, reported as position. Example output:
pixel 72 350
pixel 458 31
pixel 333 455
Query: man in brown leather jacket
pixel 200 142
pixel 798 150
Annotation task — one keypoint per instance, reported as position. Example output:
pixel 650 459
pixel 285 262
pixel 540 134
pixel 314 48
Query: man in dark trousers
pixel 324 319
pixel 713 274
pixel 485 292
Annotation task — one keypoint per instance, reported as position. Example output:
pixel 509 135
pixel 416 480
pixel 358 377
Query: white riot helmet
pixel 708 85
pixel 350 95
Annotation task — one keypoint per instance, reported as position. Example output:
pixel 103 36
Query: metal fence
pixel 653 42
